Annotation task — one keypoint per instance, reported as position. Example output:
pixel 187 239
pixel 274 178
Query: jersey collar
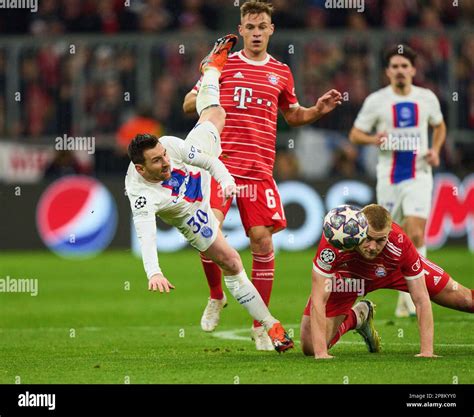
pixel 251 61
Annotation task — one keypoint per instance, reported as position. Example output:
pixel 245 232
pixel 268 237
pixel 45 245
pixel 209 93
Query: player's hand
pixel 328 102
pixel 323 356
pixel 380 138
pixel 229 192
pixel 432 157
pixel 159 282
pixel 427 355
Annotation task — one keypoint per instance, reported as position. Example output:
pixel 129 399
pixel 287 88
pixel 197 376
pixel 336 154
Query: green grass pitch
pixel 95 322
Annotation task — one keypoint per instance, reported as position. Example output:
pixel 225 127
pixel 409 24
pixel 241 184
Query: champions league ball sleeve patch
pixel 140 202
pixel 327 256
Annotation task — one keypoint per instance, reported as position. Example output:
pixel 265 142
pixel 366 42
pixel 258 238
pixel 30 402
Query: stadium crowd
pixel 107 92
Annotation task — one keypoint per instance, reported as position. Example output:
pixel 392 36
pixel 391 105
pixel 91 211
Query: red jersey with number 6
pixel 251 94
pixel 398 258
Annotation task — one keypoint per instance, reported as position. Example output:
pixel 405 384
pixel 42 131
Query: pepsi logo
pixel 76 217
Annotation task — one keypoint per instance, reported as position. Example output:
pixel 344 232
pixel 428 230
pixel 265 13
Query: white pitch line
pixel 233 335
pixel 225 334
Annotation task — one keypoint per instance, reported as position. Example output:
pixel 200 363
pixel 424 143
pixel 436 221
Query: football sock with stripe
pixel 349 323
pixel 263 271
pixel 214 278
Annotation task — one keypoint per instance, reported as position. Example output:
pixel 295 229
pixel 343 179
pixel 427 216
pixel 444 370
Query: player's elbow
pixel 421 300
pixel 353 136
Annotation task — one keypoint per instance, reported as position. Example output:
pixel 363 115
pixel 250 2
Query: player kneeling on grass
pixel 170 178
pixel 385 259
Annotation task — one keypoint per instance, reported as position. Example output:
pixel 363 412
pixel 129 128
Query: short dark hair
pixel 402 50
pixel 139 144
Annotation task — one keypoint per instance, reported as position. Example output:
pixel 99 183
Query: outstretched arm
pixel 146 233
pixel 421 299
pixel 299 116
pixel 319 296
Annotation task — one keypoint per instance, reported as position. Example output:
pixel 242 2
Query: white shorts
pixel 206 137
pixel 408 198
pixel 200 228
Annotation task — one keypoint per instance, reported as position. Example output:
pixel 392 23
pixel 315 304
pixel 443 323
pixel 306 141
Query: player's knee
pixel 305 337
pixel 467 303
pixel 222 112
pixel 219 115
pixel 262 244
pixel 307 348
pixel 417 237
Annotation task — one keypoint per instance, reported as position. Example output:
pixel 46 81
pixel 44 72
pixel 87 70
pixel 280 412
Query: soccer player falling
pixel 386 259
pixel 170 178
pixel 401 113
pixel 254 85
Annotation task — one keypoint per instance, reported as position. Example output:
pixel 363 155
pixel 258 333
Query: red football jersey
pixel 398 258
pixel 251 94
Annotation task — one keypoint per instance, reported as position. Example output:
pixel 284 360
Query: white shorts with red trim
pixel 407 198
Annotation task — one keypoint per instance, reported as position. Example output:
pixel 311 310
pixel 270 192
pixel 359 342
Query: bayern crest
pixel 273 78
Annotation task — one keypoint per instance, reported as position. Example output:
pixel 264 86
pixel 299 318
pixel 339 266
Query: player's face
pixel 256 30
pixel 157 164
pixel 400 71
pixel 374 244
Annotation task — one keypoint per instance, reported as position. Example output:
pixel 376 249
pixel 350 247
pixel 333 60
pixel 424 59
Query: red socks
pixel 472 301
pixel 348 324
pixel 263 271
pixel 214 277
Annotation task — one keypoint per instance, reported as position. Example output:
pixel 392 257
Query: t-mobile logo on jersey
pixel 243 96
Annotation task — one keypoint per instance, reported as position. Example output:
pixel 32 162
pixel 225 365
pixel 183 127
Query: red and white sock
pixel 263 272
pixel 348 324
pixel 214 278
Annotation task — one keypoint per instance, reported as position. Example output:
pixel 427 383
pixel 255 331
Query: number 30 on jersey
pixel 200 218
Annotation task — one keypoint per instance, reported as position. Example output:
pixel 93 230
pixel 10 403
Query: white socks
pixel 247 295
pixel 209 90
pixel 361 311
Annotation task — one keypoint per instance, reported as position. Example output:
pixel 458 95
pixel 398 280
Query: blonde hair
pixel 256 7
pixel 378 217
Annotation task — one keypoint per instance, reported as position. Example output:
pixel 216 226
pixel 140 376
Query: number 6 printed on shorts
pixel 271 201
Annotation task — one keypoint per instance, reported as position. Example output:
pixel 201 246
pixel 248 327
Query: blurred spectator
pixel 286 14
pixel 345 161
pixel 108 108
pixel 154 17
pixel 63 163
pixel 142 122
pixel 286 165
pixel 94 89
pixel 465 76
